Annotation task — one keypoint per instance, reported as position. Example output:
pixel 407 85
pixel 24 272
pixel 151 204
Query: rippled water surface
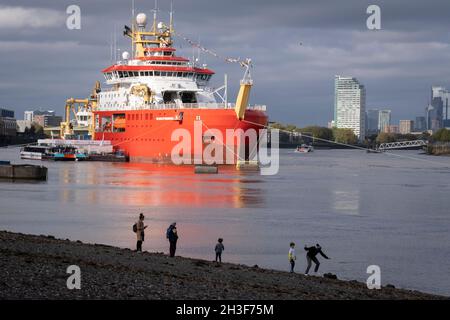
pixel 364 209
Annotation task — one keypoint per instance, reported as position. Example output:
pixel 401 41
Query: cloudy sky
pixel 297 47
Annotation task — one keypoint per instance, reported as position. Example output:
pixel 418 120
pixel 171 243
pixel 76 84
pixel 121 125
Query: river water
pixel 390 210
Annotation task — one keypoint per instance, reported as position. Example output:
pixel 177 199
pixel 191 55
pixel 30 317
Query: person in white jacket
pixel 291 256
pixel 140 232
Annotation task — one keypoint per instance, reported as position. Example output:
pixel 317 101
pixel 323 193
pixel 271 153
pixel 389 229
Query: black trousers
pixel 139 246
pixel 314 259
pixel 173 248
pixel 219 256
pixel 292 265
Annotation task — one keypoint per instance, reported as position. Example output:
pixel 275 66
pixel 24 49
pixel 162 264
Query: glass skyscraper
pixel 372 121
pixel 350 105
pixel 439 116
pixel 384 120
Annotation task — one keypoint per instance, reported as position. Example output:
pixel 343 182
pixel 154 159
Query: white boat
pixel 34 152
pixel 304 148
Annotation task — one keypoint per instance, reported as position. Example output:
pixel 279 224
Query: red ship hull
pixel 146 135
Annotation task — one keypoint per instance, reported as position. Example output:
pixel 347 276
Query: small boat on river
pixel 304 148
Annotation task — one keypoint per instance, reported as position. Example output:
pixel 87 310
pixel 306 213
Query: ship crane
pixel 76 105
pixel 244 90
pixel 246 82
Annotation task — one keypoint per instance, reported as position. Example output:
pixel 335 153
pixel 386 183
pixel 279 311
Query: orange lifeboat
pixel 119 123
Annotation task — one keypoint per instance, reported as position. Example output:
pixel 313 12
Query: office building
pixel 23 125
pixel 384 120
pixel 406 126
pixel 28 116
pixel 391 129
pixel 8 125
pixel 439 114
pixel 420 124
pixel 372 118
pixel 46 120
pixel 5 113
pixel 349 105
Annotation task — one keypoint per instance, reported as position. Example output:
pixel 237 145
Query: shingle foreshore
pixel 34 267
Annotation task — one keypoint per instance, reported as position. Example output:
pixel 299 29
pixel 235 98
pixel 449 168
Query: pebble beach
pixel 34 267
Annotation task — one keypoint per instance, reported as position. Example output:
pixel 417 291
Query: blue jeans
pixel 292 265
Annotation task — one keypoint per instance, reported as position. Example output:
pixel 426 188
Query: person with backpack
pixel 172 235
pixel 291 256
pixel 311 256
pixel 219 249
pixel 139 228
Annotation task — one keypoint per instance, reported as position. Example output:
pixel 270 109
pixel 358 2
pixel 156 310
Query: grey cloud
pixel 41 67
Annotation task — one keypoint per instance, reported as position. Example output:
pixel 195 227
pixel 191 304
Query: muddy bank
pixel 34 267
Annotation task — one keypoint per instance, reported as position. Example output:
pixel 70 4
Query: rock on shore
pixel 34 267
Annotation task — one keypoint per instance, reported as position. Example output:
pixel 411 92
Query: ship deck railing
pixel 179 106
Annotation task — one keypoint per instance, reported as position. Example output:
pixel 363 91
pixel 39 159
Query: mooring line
pixel 349 145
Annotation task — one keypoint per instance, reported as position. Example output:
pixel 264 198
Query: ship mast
pixel 155 10
pixel 133 28
pixel 171 18
pixel 160 35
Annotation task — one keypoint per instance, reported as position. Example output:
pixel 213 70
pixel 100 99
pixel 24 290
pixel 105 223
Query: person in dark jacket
pixel 219 249
pixel 311 256
pixel 172 235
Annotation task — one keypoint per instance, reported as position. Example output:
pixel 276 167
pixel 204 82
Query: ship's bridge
pixel 175 67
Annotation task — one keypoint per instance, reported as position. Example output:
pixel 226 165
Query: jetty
pixel 22 171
